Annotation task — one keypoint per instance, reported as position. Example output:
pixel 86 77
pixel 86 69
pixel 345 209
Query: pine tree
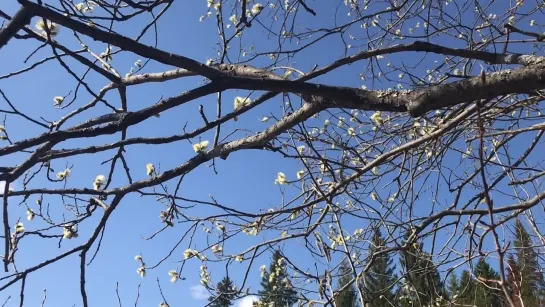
pixel 488 294
pixel 466 289
pixel 453 286
pixel 277 289
pixel 532 284
pixel 380 277
pixel 483 293
pixel 348 297
pixel 423 281
pixel 513 280
pixel 225 291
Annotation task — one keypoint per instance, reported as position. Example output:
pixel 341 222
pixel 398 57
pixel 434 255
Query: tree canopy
pixel 347 293
pixel 147 146
pixel 277 289
pixel 225 291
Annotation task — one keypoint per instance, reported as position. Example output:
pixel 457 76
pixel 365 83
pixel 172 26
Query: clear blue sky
pixel 245 180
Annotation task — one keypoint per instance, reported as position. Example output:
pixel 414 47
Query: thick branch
pixel 122 42
pixel 21 18
pixel 520 80
pixel 517 81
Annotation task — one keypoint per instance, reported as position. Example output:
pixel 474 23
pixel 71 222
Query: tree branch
pixel 122 42
pixel 21 18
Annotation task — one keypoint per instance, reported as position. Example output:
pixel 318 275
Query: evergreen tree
pixel 483 293
pixel 532 284
pixel 453 286
pixel 488 294
pixel 513 280
pixel 277 288
pixel 348 297
pixel 466 289
pixel 423 281
pixel 380 277
pixel 225 292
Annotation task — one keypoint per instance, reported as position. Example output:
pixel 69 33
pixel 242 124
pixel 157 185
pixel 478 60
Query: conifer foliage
pixel 380 279
pixel 347 297
pixel 225 292
pixel 423 285
pixel 277 289
pixel 525 274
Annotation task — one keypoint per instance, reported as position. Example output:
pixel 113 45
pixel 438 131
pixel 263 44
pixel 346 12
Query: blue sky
pixel 245 180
